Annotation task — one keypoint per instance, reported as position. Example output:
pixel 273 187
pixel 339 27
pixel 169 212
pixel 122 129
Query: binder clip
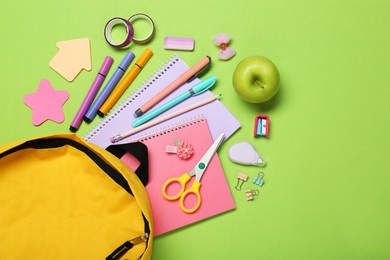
pixel 250 194
pixel 241 178
pixel 258 180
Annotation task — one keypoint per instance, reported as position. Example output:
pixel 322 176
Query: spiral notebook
pixel 119 121
pixel 214 190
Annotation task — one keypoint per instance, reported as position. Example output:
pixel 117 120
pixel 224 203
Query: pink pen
pixel 97 83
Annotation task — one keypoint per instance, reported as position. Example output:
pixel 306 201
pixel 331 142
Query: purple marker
pixel 74 126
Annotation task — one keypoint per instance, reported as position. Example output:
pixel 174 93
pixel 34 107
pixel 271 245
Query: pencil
pixel 119 137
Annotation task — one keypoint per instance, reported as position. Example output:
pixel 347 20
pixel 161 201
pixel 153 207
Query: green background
pixel 327 192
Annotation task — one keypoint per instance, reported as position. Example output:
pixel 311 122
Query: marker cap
pixel 106 66
pixel 144 58
pixel 204 85
pixel 126 61
pixel 73 129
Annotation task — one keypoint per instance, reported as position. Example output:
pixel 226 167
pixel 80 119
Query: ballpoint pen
pixel 106 91
pixel 195 90
pixel 126 81
pixel 187 76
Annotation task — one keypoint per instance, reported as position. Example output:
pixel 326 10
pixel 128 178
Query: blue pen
pixel 90 115
pixel 195 90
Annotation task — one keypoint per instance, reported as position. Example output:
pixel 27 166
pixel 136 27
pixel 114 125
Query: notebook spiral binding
pixel 168 129
pixel 131 96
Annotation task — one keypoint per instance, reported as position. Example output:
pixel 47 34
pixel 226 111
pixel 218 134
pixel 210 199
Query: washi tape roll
pixel 129 31
pixel 151 33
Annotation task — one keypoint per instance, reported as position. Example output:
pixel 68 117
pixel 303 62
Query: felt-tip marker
pixel 106 91
pixel 74 126
pixel 125 82
pixel 195 90
pixel 187 76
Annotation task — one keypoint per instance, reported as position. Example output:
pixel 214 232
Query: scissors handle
pixel 182 180
pixel 194 189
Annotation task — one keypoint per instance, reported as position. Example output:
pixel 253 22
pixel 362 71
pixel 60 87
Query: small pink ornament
pixel 184 150
pixel 222 40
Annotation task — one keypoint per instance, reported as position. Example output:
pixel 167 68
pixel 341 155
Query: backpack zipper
pixel 142 238
pixel 120 251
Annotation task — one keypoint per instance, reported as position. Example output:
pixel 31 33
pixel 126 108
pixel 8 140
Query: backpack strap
pixel 139 151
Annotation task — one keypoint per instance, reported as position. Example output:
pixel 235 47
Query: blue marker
pixel 90 115
pixel 195 90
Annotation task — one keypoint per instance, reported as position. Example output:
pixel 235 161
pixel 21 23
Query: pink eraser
pixel 176 43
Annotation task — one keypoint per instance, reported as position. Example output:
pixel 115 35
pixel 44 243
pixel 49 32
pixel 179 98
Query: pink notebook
pixel 215 192
pixel 119 120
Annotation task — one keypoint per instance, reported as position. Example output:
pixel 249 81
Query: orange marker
pixel 125 83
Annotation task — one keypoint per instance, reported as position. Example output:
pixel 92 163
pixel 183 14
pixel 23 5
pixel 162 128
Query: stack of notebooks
pixel 199 127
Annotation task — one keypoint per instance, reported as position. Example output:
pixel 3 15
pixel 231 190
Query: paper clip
pixel 259 179
pixel 251 193
pixel 241 178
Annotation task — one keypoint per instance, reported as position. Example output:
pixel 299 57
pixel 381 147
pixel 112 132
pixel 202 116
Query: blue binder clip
pixel 258 180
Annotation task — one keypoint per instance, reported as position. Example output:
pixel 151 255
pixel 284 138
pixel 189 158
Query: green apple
pixel 256 79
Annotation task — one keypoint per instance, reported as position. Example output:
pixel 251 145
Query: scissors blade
pixel 200 168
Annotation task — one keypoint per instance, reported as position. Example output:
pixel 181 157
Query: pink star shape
pixel 46 103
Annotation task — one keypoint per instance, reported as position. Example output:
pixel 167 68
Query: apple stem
pixel 259 83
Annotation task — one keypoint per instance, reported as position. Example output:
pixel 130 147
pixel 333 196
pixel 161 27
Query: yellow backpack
pixel 64 198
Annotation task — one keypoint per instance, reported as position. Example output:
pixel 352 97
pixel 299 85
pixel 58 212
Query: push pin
pixel 241 178
pixel 259 179
pixel 251 193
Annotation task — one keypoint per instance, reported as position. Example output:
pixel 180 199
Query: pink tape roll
pixel 129 32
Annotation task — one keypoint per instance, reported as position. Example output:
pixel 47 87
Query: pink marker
pixel 97 83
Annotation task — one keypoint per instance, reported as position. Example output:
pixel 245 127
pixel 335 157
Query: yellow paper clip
pixel 241 178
